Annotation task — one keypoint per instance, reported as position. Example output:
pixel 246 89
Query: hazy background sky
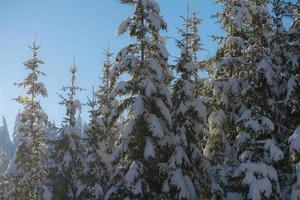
pixel 81 27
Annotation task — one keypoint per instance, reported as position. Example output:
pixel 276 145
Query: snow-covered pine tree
pixel 107 107
pixel 148 101
pixel 282 110
pixel 95 176
pixel 294 142
pixel 194 37
pixel 226 105
pixel 66 160
pixel 293 66
pixel 26 172
pixel 101 135
pixel 257 142
pixel 186 168
pixel 293 95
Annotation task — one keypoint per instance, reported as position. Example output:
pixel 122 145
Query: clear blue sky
pixel 68 27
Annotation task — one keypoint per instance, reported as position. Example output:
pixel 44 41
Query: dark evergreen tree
pixel 293 95
pixel 282 109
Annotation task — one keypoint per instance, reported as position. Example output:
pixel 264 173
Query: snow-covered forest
pixel 157 129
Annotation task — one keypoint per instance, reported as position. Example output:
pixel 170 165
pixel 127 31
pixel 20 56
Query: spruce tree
pixel 257 142
pixel 147 99
pixel 294 141
pixel 283 108
pixel 186 168
pixel 293 66
pixel 95 174
pixel 66 160
pixel 225 86
pixel 27 172
pixel 293 95
pixel 101 133
pixel 107 107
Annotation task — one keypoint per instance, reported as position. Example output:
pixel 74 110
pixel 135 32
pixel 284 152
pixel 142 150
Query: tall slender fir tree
pixel 101 132
pixel 27 172
pixel 187 168
pixel 66 160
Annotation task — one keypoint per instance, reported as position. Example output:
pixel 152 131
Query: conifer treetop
pixel 72 104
